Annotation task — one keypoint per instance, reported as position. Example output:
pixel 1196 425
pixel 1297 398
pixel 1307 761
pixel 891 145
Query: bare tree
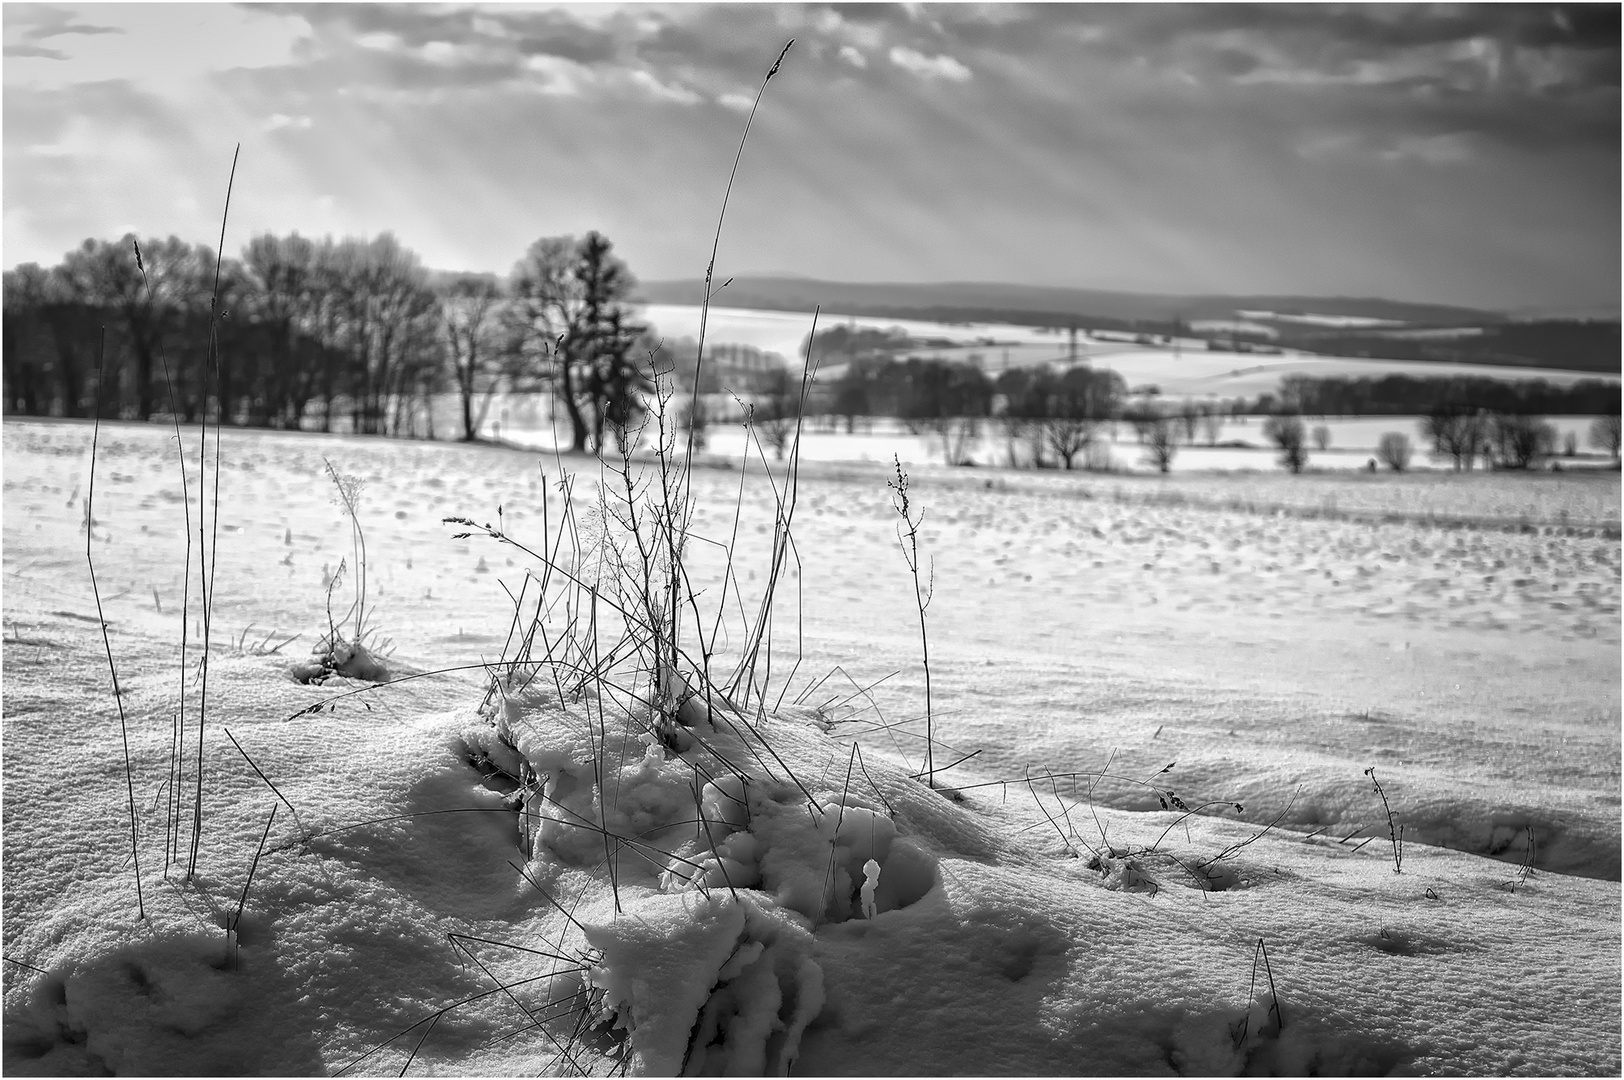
pixel 1604 434
pixel 1067 436
pixel 387 317
pixel 956 434
pixel 1462 435
pixel 571 301
pixel 1288 434
pixel 470 320
pixel 290 289
pixel 106 275
pixel 1394 450
pixel 778 411
pixel 1189 419
pixel 1433 426
pixel 1322 437
pixel 1518 442
pixel 1017 433
pixel 1160 439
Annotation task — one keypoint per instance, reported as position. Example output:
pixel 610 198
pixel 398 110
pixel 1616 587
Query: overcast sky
pixel 1457 155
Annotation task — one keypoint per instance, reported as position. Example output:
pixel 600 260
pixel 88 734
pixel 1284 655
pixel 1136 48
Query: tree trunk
pixel 468 434
pixel 578 428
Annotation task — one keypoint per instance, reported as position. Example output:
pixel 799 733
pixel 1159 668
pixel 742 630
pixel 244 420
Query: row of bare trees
pixel 1506 441
pixel 327 334
pixel 1056 415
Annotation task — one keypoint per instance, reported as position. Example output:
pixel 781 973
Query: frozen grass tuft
pixel 349 648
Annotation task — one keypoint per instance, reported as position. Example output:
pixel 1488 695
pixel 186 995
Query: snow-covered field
pixel 526 421
pixel 1272 636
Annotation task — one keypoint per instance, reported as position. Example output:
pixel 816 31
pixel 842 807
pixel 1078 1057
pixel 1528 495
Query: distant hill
pixel 1032 305
pixel 1567 345
pixel 1332 325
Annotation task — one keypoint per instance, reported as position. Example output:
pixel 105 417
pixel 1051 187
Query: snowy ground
pixel 1274 636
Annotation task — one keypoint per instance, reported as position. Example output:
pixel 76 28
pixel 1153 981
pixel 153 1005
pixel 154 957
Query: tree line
pixel 1571 344
pixel 351 334
pixel 1410 395
pixel 1051 416
pixel 877 377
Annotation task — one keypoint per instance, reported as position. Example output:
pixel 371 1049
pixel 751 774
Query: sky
pixel 1456 154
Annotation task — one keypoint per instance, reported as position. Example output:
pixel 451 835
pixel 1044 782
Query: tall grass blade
pixel 209 554
pixel 177 740
pixel 101 619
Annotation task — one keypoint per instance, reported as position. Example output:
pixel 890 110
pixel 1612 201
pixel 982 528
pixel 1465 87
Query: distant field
pixel 1353 442
pixel 1583 500
pixel 522 421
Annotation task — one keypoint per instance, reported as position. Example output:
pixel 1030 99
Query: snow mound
pixel 722 863
pixel 349 660
pixel 174 1004
pixel 707 984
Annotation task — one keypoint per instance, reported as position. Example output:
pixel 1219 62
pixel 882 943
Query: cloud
pixel 928 67
pixel 156 45
pixel 39 51
pixel 283 122
pixel 1069 127
pixel 679 95
pixel 1450 149
pixel 557 74
pixel 33 23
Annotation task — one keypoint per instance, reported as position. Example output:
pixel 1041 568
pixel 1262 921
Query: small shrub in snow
pixel 343 650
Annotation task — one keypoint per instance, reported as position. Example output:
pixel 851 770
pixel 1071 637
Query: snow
pixel 1310 319
pixel 434 891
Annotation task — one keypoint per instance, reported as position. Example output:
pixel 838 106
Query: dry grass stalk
pixel 101 619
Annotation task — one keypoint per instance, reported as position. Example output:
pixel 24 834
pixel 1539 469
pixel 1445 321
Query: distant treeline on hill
pixel 1033 305
pixel 916 387
pixel 875 376
pixel 1556 344
pixel 1406 395
pixel 1549 343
